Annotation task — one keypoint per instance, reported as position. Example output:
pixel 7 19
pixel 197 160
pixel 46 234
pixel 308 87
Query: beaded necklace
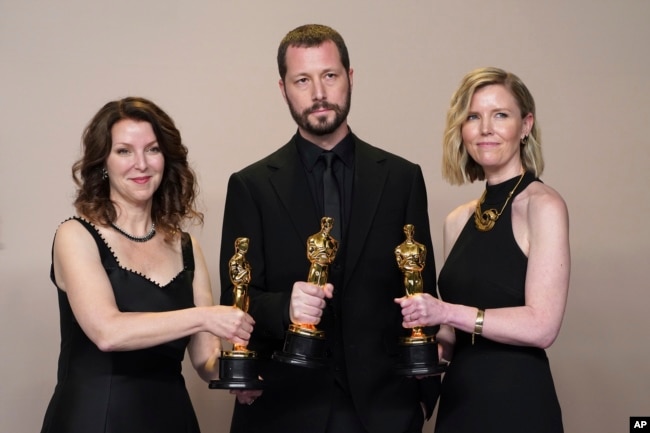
pixel 130 237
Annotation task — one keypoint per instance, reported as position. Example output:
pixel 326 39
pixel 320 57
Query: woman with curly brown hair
pixel 134 290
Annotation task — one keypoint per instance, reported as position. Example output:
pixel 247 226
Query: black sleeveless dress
pixel 138 391
pixel 491 387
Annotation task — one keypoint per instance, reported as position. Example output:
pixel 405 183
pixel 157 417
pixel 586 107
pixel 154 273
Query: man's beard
pixel 322 126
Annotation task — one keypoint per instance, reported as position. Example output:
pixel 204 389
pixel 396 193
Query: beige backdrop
pixel 211 65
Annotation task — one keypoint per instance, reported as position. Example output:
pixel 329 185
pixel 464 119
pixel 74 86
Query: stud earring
pixel 104 174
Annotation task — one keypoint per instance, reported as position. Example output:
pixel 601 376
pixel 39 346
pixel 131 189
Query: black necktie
pixel 331 195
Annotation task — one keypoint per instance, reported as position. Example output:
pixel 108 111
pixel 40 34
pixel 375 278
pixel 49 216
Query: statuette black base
pixel 237 370
pixel 419 357
pixel 303 347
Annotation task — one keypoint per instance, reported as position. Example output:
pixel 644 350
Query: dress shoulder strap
pixel 188 251
pixel 105 253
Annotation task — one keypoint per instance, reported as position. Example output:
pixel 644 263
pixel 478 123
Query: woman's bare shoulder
pixel 459 216
pixel 541 198
pixel 73 232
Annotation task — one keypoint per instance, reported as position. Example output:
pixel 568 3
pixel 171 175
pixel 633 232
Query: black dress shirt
pixel 314 166
pixel 343 167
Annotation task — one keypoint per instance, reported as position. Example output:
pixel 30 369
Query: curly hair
pixel 457 166
pixel 173 201
pixel 311 35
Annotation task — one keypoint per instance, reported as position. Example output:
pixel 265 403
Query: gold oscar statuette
pixel 418 351
pixel 238 367
pixel 304 343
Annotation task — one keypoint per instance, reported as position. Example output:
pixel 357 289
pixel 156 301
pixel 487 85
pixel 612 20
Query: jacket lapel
pixel 370 176
pixel 288 179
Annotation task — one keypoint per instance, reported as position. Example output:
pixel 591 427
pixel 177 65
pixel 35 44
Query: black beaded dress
pixel 138 391
pixel 491 387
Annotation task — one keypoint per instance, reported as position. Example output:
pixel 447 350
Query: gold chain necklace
pixel 485 220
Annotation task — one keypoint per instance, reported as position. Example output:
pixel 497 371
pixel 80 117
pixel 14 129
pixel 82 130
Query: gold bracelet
pixel 478 325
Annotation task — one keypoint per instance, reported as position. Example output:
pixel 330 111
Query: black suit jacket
pixel 270 203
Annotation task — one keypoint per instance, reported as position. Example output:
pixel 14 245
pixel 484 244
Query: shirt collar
pixel 309 152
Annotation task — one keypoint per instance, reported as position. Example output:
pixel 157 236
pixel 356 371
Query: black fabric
pixel 331 194
pixel 314 166
pixel 493 387
pixel 138 391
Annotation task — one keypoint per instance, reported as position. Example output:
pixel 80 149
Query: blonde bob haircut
pixel 457 166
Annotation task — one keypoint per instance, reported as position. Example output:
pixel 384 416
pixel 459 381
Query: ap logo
pixel 640 424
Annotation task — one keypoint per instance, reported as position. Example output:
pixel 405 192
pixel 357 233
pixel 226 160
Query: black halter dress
pixel 491 387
